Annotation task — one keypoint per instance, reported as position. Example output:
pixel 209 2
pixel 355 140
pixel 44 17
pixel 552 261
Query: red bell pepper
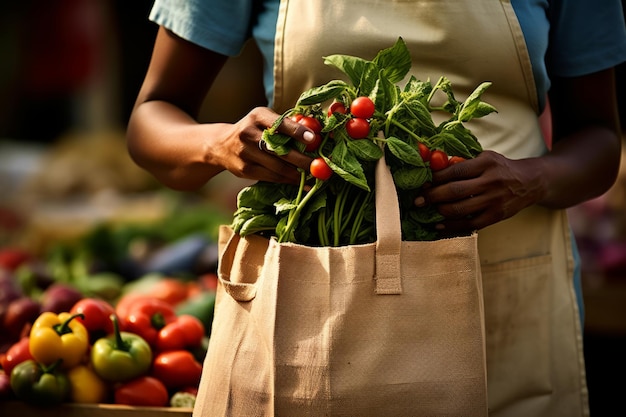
pixel 177 369
pixel 96 317
pixel 146 317
pixel 186 332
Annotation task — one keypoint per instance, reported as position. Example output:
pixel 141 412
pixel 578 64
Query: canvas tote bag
pixel 385 329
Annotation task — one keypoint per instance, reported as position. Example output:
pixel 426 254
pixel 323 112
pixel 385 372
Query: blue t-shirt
pixel 585 35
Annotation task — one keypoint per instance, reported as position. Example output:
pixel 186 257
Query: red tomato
pixel 320 169
pixel 312 123
pixel 17 353
pixel 358 128
pixel 184 333
pixel 438 160
pixel 336 107
pixel 313 146
pixel 144 391
pixel 424 151
pixel 177 369
pixel 297 117
pixel 455 160
pixel 362 107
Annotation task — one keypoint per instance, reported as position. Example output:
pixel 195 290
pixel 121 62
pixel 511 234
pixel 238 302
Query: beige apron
pixel 534 338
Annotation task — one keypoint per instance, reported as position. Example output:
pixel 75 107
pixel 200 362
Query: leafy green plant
pixel 339 210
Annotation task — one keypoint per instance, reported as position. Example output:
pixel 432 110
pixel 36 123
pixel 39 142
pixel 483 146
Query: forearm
pixel 171 145
pixel 579 167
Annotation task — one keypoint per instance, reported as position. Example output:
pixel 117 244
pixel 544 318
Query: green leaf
pixel 385 94
pixel 345 164
pixel 411 178
pixel 284 205
pixel 354 67
pixel 465 136
pixel 334 121
pixel 473 107
pixel 261 194
pixel 447 141
pixel 276 142
pixel 404 152
pixel 315 95
pixel 394 61
pixel 257 224
pixel 365 149
pixel 416 89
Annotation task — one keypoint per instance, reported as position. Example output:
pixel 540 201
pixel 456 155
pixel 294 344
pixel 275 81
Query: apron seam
pixel 522 54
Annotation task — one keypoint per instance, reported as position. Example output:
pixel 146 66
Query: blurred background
pixel 69 74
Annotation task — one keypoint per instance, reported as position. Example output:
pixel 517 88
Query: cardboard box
pixel 20 409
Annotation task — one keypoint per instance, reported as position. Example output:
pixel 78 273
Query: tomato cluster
pixel 357 127
pixel 437 158
pixel 362 109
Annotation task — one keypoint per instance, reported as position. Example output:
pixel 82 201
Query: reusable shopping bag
pixel 391 328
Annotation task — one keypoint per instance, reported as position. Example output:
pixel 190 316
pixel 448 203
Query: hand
pixel 482 191
pixel 240 151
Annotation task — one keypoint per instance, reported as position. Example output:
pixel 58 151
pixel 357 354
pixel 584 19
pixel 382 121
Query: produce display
pixel 139 340
pixel 356 122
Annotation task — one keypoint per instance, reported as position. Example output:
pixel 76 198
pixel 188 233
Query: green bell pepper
pixel 38 384
pixel 121 356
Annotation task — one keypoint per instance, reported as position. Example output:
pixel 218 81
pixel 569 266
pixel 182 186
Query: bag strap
pixel 240 291
pixel 388 231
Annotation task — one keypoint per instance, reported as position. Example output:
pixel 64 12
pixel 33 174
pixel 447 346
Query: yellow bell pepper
pixel 55 337
pixel 86 387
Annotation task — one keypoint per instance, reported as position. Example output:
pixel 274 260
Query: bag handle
pixel 388 232
pixel 240 291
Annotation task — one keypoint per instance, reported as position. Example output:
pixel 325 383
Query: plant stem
pixel 293 215
pixel 358 219
pixel 405 129
pixel 338 212
pixel 321 228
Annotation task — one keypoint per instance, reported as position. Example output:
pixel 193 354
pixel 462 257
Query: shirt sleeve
pixel 586 36
pixel 222 26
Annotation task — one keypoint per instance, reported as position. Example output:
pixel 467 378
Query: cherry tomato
pixel 438 160
pixel 424 151
pixel 336 107
pixel 320 169
pixel 297 117
pixel 362 107
pixel 455 160
pixel 358 128
pixel 312 123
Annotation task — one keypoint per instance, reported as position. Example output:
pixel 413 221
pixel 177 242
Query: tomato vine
pixel 360 119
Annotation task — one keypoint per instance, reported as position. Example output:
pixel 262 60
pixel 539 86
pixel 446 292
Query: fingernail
pixel 308 136
pixel 420 201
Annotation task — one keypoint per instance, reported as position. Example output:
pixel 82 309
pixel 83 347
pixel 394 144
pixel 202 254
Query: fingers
pixel 296 130
pixel 266 118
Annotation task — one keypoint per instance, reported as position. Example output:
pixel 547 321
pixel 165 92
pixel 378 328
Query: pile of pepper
pixel 140 352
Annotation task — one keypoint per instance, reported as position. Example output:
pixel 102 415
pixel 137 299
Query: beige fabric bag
pixel 386 329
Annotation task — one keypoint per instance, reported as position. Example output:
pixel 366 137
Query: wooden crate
pixel 20 409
